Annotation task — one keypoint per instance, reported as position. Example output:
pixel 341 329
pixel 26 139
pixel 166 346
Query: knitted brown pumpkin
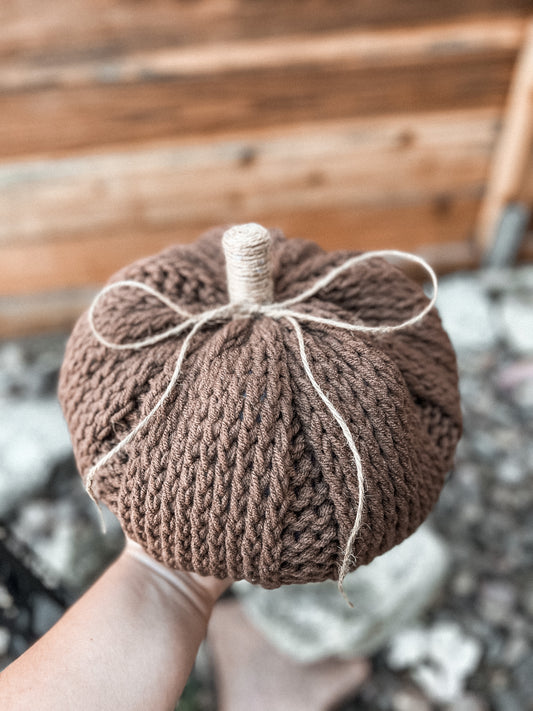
pixel 243 471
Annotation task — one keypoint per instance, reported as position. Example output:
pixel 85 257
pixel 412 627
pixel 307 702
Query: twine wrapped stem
pixel 248 264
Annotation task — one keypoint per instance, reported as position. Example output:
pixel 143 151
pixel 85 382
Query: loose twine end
pixel 340 587
pixel 88 489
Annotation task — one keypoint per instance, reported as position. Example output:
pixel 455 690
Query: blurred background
pixel 130 125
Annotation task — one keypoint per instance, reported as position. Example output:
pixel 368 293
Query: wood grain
pixel 510 173
pixel 54 109
pixel 130 125
pixel 26 314
pixel 45 267
pixel 57 310
pixel 318 165
pixel 73 29
pixel 368 49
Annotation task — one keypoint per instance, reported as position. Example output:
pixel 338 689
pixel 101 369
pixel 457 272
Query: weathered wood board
pixel 128 125
pixel 85 214
pixel 118 100
pixel 75 28
pixel 511 174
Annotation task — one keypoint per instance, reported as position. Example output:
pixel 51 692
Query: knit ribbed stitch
pixel 243 472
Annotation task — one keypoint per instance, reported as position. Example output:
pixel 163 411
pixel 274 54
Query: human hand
pixel 127 644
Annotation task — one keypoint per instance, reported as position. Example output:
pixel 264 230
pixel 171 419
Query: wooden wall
pixel 127 125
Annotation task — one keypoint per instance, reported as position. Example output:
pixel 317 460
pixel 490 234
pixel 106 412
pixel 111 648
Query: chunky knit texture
pixel 243 472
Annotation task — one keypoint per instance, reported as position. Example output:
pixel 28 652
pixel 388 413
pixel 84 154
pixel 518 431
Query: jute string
pixel 251 290
pixel 248 266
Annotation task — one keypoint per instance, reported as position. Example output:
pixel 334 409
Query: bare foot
pixel 251 674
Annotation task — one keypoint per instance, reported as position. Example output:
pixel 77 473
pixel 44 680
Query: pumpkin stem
pixel 248 264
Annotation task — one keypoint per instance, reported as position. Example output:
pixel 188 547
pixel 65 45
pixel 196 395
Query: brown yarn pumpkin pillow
pixel 243 471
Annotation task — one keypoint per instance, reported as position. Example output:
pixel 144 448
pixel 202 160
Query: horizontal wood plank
pixel 402 159
pixel 72 29
pixel 42 267
pixel 28 314
pixel 56 109
pixel 413 46
pixel 25 314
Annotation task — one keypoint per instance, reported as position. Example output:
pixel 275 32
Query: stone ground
pixel 471 651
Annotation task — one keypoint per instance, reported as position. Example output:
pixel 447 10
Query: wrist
pixel 178 589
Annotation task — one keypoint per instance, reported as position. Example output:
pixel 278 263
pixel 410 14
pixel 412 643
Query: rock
pixel 517 316
pixel 527 600
pixel 29 368
pixel 450 646
pixel 523 675
pixel 439 658
pixel 523 396
pixel 5 639
pixel 511 469
pixel 479 401
pixel 311 622
pixel 515 380
pixel 492 444
pixel 46 529
pixel 468 702
pixel 46 613
pixel 508 701
pixel 6 601
pixel 499 680
pixel 466 312
pixel 497 600
pixel 506 280
pixel 493 642
pixel 514 373
pixel 464 583
pixel 408 648
pixel 18 645
pixel 72 550
pixel 516 648
pixel 409 700
pixel 12 368
pixel 33 437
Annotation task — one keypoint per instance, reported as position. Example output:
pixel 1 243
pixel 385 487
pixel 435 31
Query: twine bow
pixel 281 310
